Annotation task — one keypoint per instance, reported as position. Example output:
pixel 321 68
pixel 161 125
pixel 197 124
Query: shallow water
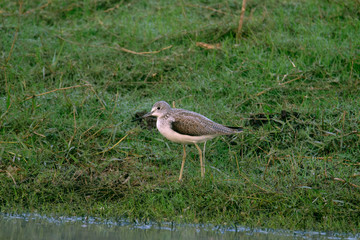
pixel 34 226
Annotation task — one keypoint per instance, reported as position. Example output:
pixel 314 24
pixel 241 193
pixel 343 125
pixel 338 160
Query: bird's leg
pixel 182 164
pixel 204 156
pixel 201 162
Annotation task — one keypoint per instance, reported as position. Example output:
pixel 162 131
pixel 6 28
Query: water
pixel 34 226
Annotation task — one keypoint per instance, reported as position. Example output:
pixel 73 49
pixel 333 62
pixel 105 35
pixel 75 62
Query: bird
pixel 187 127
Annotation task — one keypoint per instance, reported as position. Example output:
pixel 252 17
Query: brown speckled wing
pixel 193 124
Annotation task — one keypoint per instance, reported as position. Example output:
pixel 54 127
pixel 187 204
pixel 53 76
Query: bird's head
pixel 159 109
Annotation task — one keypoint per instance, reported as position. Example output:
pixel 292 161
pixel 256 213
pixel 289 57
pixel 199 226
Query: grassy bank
pixel 73 74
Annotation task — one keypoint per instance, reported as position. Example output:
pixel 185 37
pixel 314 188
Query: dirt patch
pixel 147 122
pixel 260 119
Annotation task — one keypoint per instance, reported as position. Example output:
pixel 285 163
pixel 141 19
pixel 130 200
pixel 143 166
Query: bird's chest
pixel 164 127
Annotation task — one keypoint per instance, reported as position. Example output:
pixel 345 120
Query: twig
pixel 292 80
pixel 93 90
pixel 243 8
pixel 72 138
pixel 248 180
pixel 11 177
pixel 292 63
pixel 57 89
pixel 327 159
pixel 9 174
pixel 87 131
pixel 95 133
pixel 280 84
pixel 12 46
pixel 7 110
pixel 4 69
pixel 350 133
pixel 140 53
pixel 264 91
pixel 116 98
pixel 351 69
pixel 116 48
pixel 112 9
pixel 237 164
pixel 267 166
pixel 34 9
pixel 39 134
pixel 343 129
pixel 183 10
pixel 342 180
pixel 106 150
pixel 16 34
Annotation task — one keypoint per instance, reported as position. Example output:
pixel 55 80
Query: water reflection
pixel 33 226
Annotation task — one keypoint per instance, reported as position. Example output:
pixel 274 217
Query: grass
pixel 73 74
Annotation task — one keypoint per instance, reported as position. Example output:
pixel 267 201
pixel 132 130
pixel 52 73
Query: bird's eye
pixel 158 108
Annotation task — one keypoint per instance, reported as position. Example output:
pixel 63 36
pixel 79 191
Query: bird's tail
pixel 237 129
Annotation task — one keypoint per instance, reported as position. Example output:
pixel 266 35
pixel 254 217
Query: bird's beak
pixel 148 114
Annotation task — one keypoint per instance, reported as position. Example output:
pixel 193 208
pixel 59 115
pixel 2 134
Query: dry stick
pixel 248 180
pixel 350 133
pixel 183 9
pixel 237 164
pixel 87 131
pixel 8 173
pixel 57 89
pixel 267 166
pixel 243 7
pixel 39 134
pixel 140 53
pixel 329 159
pixel 343 128
pixel 351 69
pixel 342 180
pixel 7 110
pixel 100 100
pixel 355 164
pixel 147 76
pixel 72 138
pixel 16 34
pixel 34 9
pixel 12 46
pixel 95 133
pixel 106 150
pixel 292 63
pixel 280 84
pixel 7 60
pixel 116 48
pixel 112 9
pixel 292 80
pixel 116 98
pixel 28 11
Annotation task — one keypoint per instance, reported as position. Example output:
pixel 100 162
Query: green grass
pixel 297 65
